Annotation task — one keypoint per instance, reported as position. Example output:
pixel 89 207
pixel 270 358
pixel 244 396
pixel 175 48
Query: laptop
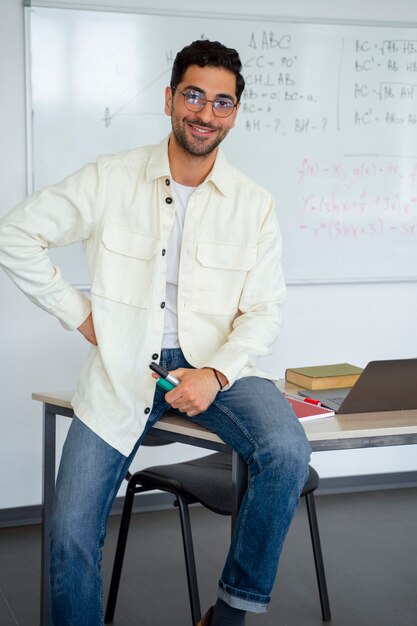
pixel 382 386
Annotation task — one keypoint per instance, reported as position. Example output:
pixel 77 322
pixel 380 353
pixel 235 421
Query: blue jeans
pixel 252 418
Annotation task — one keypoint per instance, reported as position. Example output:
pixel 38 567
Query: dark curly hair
pixel 208 53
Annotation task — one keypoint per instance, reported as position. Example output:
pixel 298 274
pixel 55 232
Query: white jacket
pixel 230 289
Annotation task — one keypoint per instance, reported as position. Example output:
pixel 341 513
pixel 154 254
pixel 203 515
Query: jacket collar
pixel 158 166
pixel 220 174
pixel 158 163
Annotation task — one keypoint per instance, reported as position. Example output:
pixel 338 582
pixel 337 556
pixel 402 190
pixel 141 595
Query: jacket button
pixel 168 200
pixel 162 305
pixel 155 356
pixel 164 252
pixel 147 410
pixel 167 182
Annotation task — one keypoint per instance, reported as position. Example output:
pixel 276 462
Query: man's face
pixel 199 133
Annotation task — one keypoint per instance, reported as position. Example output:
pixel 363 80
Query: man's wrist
pixel 221 378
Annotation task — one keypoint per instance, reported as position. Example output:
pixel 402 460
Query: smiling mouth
pixel 201 131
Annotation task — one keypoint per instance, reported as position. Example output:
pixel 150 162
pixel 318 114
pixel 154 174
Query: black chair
pixel 206 480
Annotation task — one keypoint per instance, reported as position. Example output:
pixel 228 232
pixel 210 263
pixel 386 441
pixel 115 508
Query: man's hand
pixel 87 329
pixel 196 391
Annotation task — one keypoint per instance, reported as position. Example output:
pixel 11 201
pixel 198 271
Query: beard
pixel 196 146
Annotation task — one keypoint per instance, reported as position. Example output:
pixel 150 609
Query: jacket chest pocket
pixel 125 266
pixel 220 273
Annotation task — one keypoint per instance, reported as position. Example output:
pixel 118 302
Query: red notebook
pixel 304 410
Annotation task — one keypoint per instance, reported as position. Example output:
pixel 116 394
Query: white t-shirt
pixel 181 195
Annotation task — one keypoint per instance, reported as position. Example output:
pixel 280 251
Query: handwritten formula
pixel 335 110
pixel 378 78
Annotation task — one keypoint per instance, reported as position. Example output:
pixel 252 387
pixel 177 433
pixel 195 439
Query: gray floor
pixel 369 545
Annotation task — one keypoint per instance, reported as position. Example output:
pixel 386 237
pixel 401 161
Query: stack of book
pixel 324 376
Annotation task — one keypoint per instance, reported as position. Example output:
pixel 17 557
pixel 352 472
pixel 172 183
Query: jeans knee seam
pixel 255 457
pixel 245 432
pixel 106 512
pixel 242 525
pixel 236 420
pixel 112 495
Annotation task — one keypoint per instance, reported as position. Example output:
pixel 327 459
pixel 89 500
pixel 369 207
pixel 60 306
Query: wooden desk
pixel 361 430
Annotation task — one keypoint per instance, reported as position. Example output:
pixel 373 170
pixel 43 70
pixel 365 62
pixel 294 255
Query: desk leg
pixel 239 485
pixel 48 489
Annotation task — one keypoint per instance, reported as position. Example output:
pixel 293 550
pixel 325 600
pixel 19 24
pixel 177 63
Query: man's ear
pixel 168 101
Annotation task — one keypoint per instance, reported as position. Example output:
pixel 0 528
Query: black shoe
pixel 206 621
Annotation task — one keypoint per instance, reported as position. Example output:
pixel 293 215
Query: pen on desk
pixel 312 401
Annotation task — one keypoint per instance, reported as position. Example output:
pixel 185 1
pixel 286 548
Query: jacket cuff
pixel 229 363
pixel 73 309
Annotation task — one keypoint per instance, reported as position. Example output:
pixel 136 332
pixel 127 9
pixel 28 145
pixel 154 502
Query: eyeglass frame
pixel 183 93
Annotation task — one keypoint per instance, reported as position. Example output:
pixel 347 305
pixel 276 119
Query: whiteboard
pixel 328 123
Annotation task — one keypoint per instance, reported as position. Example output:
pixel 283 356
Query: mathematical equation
pixel 296 125
pixel 352 172
pixel 357 198
pixel 345 229
pixel 360 204
pixel 373 84
pixel 276 99
pixel 385 77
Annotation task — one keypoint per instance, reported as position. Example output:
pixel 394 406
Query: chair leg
pixel 318 557
pixel 119 556
pixel 189 559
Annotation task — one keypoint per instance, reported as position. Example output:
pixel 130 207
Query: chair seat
pixel 207 480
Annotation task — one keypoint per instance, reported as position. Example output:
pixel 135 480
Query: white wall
pixel 324 324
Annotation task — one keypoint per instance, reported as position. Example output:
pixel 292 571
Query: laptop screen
pixel 384 386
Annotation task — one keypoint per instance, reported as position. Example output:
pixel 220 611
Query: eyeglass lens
pixel 196 101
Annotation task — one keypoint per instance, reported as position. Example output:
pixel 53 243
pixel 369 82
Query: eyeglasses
pixel 196 101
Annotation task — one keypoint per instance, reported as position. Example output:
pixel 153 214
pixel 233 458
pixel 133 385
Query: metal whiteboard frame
pixel 81 6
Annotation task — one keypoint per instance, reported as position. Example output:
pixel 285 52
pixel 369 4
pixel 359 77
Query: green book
pixel 324 376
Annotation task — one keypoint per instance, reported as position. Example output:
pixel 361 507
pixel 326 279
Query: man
pixel 184 255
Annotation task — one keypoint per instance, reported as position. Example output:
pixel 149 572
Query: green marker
pixel 165 384
pixel 166 380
